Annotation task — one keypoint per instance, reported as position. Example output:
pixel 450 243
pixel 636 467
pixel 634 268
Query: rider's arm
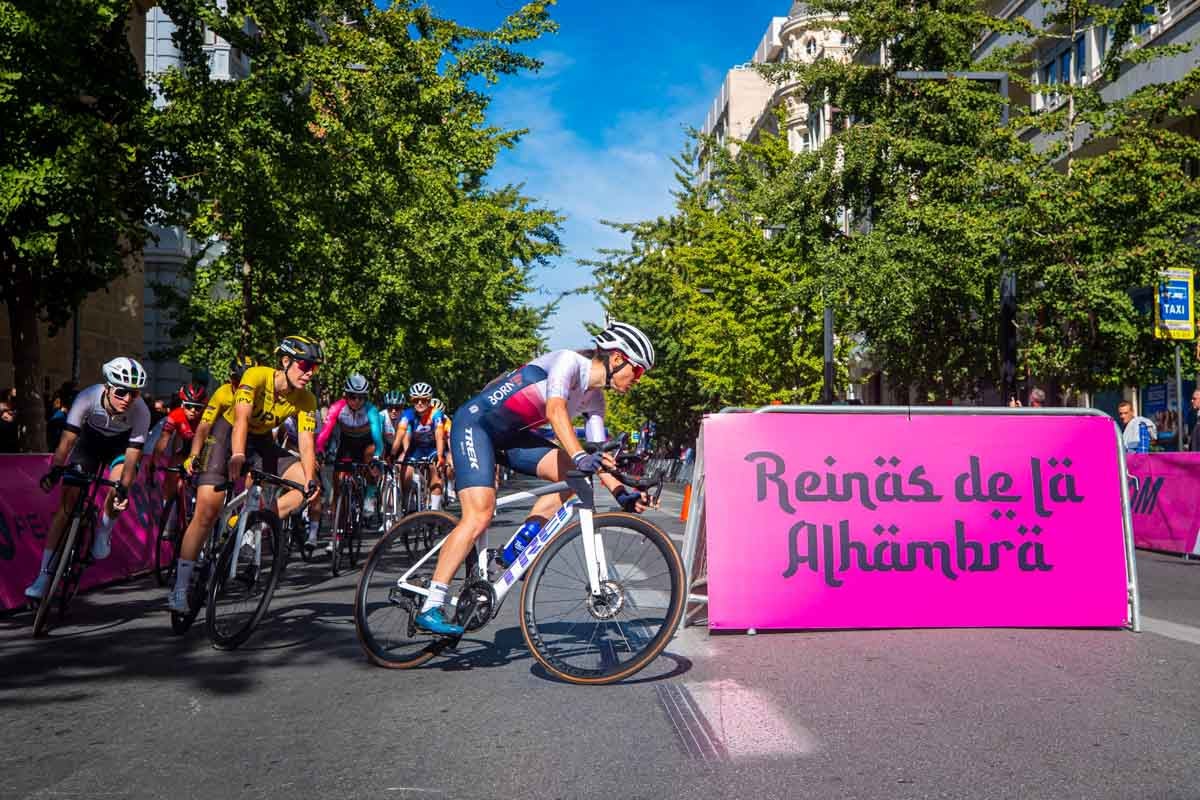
pixel 439 438
pixel 65 444
pixel 331 423
pixel 243 407
pixel 139 415
pixel 375 420
pixel 401 439
pixel 560 421
pixel 198 439
pixel 308 455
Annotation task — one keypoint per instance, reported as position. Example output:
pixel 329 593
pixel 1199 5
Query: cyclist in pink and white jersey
pixel 498 423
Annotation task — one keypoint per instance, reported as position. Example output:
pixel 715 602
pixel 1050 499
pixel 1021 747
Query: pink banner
pixel 897 521
pixel 1164 494
pixel 25 514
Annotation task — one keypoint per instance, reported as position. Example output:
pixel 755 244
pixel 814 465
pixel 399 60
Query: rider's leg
pixel 57 527
pixel 102 538
pixel 478 507
pixel 406 477
pixel 435 488
pixel 289 501
pixel 208 506
pixel 551 467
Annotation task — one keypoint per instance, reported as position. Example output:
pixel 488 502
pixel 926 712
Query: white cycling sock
pixel 106 522
pixel 184 576
pixel 435 502
pixel 313 526
pixel 47 557
pixel 436 597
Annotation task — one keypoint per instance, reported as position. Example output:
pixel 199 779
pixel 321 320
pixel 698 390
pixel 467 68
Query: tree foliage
pixel 905 219
pixel 340 187
pixel 78 170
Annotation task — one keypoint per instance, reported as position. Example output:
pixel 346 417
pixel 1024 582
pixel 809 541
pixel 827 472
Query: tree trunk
pixel 247 305
pixel 27 361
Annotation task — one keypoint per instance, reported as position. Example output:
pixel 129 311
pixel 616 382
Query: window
pixel 1080 59
pixel 1064 66
pixel 810 46
pixel 1142 27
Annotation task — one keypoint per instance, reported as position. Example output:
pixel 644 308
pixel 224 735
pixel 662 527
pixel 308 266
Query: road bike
pixel 417 497
pixel 348 515
pixel 602 592
pixel 172 522
pixel 391 505
pixel 74 551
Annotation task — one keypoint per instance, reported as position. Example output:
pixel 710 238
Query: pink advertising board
pixel 25 514
pixel 1164 495
pixel 819 520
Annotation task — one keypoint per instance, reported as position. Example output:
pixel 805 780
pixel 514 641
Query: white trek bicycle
pixel 602 593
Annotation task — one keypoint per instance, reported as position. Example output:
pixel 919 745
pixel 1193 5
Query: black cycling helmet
pixel 238 366
pixel 301 347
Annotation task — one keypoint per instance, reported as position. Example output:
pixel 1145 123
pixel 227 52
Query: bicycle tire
pixel 341 522
pixel 80 557
pixel 166 547
pixel 381 619
pixel 230 624
pixel 567 547
pixel 62 559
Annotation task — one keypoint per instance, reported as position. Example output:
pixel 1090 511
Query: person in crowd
pixel 1037 399
pixel 158 409
pixel 1131 426
pixel 9 437
pixel 56 421
pixel 1194 438
pixel 106 428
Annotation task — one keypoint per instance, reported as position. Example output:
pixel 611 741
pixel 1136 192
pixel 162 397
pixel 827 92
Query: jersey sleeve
pixel 594 407
pixel 222 399
pixel 408 421
pixel 79 409
pixel 563 377
pixel 306 413
pixel 139 422
pixel 376 423
pixel 331 421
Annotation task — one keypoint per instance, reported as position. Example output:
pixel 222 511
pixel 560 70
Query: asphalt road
pixel 112 705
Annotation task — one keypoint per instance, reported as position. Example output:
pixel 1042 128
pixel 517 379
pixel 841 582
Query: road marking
pixel 748 723
pixel 1172 630
pixel 694 732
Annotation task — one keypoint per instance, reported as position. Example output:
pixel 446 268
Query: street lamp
pixel 769 232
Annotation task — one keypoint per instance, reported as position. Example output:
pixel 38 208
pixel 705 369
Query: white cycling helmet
pixel 629 341
pixel 356 384
pixel 124 373
pixel 420 389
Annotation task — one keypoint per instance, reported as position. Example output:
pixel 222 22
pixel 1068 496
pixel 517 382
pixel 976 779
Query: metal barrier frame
pixel 695 558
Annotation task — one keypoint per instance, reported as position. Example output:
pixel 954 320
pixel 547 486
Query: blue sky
pixel 621 83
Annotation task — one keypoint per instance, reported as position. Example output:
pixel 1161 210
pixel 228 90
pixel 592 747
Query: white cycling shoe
pixel 37 589
pixel 177 600
pixel 101 544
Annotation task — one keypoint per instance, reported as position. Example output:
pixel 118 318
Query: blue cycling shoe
pixel 433 621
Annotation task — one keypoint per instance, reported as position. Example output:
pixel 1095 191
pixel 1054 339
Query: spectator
pixel 1132 426
pixel 1194 439
pixel 57 419
pixel 8 426
pixel 158 409
pixel 1037 399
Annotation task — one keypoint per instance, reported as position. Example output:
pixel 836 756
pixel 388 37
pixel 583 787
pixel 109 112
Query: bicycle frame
pixel 582 502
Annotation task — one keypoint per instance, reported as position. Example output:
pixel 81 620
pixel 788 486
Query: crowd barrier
pixel 1163 492
pixel 25 514
pixel 898 517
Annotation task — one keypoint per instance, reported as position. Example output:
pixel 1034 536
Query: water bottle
pixel 519 541
pixel 1143 438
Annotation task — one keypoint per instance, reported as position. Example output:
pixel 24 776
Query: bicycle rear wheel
pixel 64 555
pixel 384 613
pixel 341 529
pixel 166 547
pixel 247 573
pixel 587 640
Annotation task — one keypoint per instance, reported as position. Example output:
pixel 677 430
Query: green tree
pixel 77 171
pixel 342 186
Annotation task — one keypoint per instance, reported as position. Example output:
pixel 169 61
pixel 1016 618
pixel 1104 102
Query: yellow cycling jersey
pixel 221 400
pixel 268 408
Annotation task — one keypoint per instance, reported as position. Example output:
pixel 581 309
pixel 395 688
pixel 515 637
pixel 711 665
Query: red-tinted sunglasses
pixel 305 365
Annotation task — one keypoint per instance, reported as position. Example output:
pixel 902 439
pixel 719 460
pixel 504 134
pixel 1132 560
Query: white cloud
pixel 622 173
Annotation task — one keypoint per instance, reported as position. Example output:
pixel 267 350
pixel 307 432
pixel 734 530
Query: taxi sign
pixel 1173 315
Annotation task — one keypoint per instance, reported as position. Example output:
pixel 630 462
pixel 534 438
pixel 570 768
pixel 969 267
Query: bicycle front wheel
pixel 383 612
pixel 595 640
pixel 247 573
pixel 64 558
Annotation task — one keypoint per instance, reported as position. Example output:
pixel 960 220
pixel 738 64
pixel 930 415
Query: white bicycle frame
pixel 597 563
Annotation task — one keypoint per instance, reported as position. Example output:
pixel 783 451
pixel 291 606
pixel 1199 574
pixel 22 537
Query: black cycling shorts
pixel 261 452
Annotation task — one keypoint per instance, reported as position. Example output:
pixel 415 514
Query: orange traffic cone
pixel 687 501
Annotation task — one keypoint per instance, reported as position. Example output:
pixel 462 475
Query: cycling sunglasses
pixel 306 365
pixel 194 406
pixel 350 396
pixel 122 392
pixel 416 400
